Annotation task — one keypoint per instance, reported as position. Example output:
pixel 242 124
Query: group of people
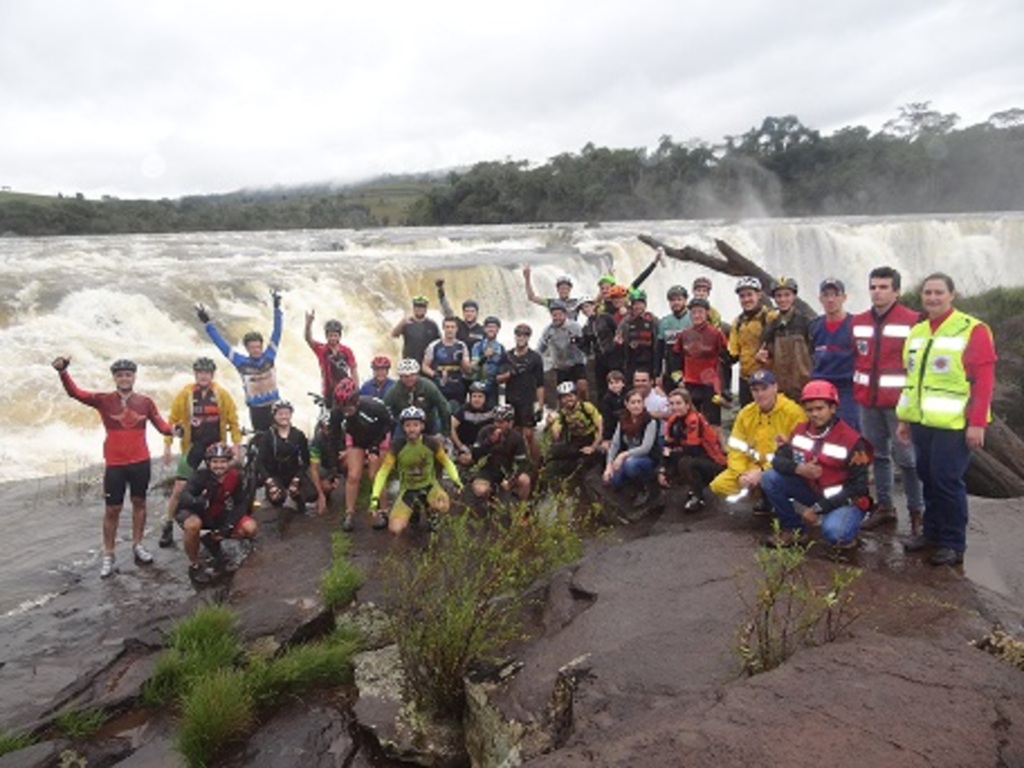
pixel 826 405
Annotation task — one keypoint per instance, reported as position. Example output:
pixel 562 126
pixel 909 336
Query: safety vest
pixel 879 375
pixel 832 451
pixel 937 389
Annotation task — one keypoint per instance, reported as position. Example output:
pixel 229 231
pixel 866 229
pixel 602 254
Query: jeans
pixel 878 425
pixel 942 459
pixel 636 469
pixel 848 409
pixel 840 526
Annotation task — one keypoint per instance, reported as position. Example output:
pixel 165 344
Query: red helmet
pixel 381 361
pixel 819 390
pixel 344 391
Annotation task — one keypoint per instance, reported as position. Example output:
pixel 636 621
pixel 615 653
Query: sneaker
pixel 946 556
pixel 845 546
pixel 380 522
pixel 642 497
pixel 917 544
pixel 348 524
pixel 197 574
pixel 879 517
pixel 142 555
pixel 693 504
pixel 167 535
pixel 762 507
pixel 107 568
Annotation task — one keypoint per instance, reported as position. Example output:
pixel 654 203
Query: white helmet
pixel 566 388
pixel 412 413
pixel 407 366
pixel 748 282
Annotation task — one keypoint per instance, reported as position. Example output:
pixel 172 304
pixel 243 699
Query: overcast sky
pixel 145 98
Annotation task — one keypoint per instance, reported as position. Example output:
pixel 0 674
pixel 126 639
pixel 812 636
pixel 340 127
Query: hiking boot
pixel 167 534
pixel 348 524
pixel 642 497
pixel 917 544
pixel 107 567
pixel 879 517
pixel 197 574
pixel 946 556
pixel 845 546
pixel 916 522
pixel 762 507
pixel 693 504
pixel 142 555
pixel 380 522
pixel 784 539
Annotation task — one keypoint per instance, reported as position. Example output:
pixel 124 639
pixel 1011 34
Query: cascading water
pixel 99 298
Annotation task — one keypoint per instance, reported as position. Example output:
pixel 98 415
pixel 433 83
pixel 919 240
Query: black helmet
pixel 252 336
pixel 470 304
pixel 478 386
pixel 677 290
pixel 333 326
pixel 123 364
pixel 204 364
pixel 492 320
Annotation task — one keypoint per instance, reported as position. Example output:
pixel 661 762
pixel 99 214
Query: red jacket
pixel 844 457
pixel 693 430
pixel 878 372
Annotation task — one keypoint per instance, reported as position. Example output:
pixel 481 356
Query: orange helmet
pixel 820 390
pixel 617 292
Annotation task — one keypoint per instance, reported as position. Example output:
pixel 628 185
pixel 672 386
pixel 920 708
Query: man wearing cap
pixel 416 331
pixel 879 376
pixel 785 345
pixel 522 373
pixel 667 362
pixel 469 332
pixel 563 286
pixel 832 346
pixel 561 342
pixel 701 347
pixel 746 331
pixel 759 427
pixel 824 468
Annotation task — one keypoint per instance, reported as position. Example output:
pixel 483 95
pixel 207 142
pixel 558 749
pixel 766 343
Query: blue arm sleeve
pixel 275 335
pixel 222 343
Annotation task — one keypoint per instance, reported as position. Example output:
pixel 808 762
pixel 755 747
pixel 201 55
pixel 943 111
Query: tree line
pixel 919 162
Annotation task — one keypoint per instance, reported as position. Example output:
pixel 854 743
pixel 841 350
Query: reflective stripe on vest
pixel 834 451
pixel 737 444
pixel 896 331
pixel 863 331
pixel 831 491
pixel 802 442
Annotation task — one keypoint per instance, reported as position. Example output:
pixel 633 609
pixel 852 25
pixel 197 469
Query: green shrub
pixel 339 583
pixel 461 600
pixel 12 742
pixel 80 723
pixel 217 709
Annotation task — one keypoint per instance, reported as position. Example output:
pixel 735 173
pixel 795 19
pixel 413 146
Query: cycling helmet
pixel 478 386
pixel 333 326
pixel 204 364
pixel 563 280
pixel 698 301
pixel 412 413
pixel 344 391
pixel 617 292
pixel 677 290
pixel 407 367
pixel 123 365
pixel 252 336
pixel 420 300
pixel 786 282
pixel 606 280
pixel 638 295
pixel 819 390
pixel 281 405
pixel 492 320
pixel 219 451
pixel 523 330
pixel 702 282
pixel 566 388
pixel 748 282
pixel 504 413
pixel 470 304
pixel 557 304
pixel 381 361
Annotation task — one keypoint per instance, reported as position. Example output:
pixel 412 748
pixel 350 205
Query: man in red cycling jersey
pixel 124 413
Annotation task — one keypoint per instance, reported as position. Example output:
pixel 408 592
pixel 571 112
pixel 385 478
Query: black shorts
pixel 133 477
pixel 573 374
pixel 524 415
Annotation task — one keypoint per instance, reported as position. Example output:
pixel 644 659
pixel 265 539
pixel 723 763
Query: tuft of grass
pixel 461 600
pixel 80 723
pixel 340 582
pixel 12 742
pixel 325 663
pixel 216 710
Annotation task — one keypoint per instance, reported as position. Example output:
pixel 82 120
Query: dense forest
pixel 920 162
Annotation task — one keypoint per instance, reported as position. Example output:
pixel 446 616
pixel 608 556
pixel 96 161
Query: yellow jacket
pixel 181 413
pixel 755 434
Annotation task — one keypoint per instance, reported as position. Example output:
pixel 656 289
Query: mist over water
pixel 100 298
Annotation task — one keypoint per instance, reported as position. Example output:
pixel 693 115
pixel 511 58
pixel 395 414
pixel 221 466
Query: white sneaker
pixel 107 568
pixel 142 555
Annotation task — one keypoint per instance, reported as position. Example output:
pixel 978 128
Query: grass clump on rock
pixel 462 599
pixel 80 723
pixel 12 742
pixel 339 583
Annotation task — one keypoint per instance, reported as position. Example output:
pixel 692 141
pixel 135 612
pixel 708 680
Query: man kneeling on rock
pixel 214 501
pixel 823 467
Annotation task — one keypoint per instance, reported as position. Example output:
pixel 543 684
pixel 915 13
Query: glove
pixel 276 296
pixel 374 503
pixel 60 363
pixel 202 314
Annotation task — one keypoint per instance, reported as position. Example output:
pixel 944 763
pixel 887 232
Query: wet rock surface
pixel 632 661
